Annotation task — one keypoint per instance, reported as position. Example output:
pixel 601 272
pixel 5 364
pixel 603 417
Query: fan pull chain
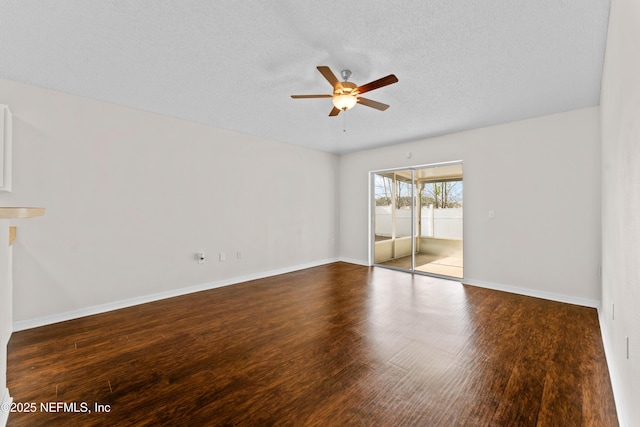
pixel 344 121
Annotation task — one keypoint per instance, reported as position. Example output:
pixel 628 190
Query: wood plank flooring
pixel 336 345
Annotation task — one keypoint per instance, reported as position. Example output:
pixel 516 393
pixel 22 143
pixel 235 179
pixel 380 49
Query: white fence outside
pixel 443 223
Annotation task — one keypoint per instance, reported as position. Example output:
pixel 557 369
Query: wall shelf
pixel 19 212
pixel 12 234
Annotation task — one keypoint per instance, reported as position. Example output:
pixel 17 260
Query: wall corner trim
pixel 616 385
pixel 102 308
pixel 5 406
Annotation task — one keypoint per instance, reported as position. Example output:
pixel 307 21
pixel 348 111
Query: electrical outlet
pixel 492 214
pixel 200 257
pixel 223 256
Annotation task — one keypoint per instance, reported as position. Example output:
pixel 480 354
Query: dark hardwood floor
pixel 336 345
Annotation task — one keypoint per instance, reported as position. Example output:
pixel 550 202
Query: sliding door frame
pixel 372 210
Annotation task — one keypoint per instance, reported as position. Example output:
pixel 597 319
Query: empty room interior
pixel 320 213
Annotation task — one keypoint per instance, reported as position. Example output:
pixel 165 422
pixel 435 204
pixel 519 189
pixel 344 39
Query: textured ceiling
pixel 233 64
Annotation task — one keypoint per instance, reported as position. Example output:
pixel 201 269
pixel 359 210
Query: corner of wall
pixel 5 406
pixel 616 385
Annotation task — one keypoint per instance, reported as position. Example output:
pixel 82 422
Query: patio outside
pixel 434 207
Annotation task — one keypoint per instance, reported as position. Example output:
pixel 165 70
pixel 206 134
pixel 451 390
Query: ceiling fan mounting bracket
pixel 345 74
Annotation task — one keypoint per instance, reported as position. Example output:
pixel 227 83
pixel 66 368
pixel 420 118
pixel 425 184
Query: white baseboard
pixel 621 408
pixel 511 289
pixel 534 293
pixel 102 308
pixel 354 261
pixel 6 400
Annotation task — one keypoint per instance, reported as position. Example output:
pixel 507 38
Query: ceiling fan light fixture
pixel 345 93
pixel 344 102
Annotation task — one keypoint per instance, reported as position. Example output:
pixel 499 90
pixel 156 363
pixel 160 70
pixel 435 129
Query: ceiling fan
pixel 346 94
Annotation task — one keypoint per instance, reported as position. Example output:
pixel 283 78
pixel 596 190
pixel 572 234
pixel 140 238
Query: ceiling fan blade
pixel 373 104
pixel 328 74
pixel 376 84
pixel 334 112
pixel 311 96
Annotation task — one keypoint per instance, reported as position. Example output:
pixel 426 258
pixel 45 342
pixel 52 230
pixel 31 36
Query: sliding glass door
pixel 417 219
pixel 394 218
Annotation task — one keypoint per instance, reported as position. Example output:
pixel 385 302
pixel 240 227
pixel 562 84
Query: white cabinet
pixel 5 148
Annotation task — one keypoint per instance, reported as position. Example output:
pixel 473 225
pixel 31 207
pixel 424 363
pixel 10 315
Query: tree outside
pixel 444 194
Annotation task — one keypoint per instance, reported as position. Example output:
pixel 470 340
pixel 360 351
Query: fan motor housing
pixel 344 88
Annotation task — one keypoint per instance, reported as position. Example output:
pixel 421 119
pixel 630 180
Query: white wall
pixel 5 310
pixel 620 109
pixel 519 170
pixel 132 196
